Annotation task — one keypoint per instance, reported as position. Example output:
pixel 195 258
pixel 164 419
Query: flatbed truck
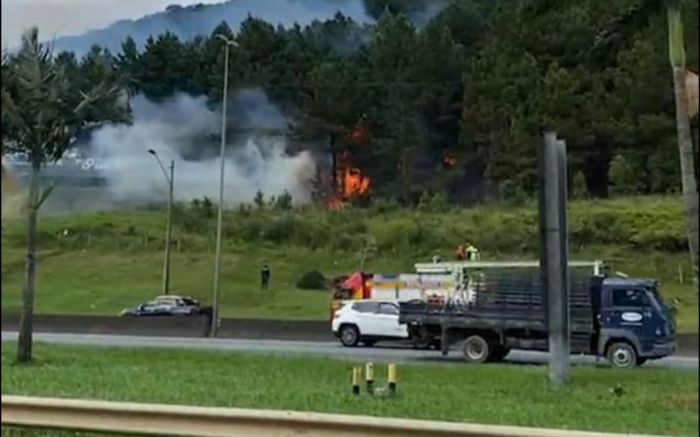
pixel 623 320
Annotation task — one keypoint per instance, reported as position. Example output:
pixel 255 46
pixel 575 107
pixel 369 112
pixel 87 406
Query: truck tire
pixel 349 335
pixel 476 349
pixel 422 339
pixel 622 355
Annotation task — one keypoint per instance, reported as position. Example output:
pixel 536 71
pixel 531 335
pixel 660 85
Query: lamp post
pixel 168 227
pixel 219 218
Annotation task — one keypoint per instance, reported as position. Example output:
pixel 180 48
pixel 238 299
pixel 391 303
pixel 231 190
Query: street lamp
pixel 219 219
pixel 168 228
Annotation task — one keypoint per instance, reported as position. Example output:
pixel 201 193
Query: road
pixel 394 353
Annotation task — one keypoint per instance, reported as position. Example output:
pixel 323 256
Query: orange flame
pixel 356 184
pixel 449 160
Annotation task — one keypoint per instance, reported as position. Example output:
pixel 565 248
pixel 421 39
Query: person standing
pixel 265 277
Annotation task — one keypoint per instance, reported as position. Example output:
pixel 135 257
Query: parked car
pixel 167 306
pixel 368 321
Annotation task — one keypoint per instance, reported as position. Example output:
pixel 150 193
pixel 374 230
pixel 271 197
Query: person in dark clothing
pixel 265 277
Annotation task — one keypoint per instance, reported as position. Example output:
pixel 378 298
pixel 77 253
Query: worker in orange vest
pixel 460 252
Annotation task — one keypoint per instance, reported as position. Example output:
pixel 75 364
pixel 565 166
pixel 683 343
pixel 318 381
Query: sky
pixel 71 17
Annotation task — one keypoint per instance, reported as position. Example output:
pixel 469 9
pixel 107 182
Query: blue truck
pixel 623 320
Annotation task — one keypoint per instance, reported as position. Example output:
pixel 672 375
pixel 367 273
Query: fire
pixel 449 160
pixel 356 184
pixel 347 179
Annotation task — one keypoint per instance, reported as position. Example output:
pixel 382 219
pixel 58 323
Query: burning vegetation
pixel 348 181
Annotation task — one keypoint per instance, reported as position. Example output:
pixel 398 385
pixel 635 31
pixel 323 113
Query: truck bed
pixel 506 303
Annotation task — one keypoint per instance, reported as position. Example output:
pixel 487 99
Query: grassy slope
pixel 107 266
pixel 655 401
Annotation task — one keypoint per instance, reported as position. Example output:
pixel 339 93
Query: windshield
pixel 654 293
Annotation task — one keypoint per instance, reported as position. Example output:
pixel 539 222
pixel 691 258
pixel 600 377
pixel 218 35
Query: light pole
pixel 219 218
pixel 168 227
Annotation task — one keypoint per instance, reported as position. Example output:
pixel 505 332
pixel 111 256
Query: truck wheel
pixel 422 339
pixel 622 355
pixel 349 335
pixel 476 349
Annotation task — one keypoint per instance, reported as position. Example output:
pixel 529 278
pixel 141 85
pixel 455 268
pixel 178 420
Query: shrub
pixel 312 280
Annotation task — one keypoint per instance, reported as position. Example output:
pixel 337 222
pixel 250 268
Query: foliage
pixel 623 177
pixel 579 188
pixel 478 81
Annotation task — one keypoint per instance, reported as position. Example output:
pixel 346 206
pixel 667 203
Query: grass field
pixel 113 260
pixel 654 401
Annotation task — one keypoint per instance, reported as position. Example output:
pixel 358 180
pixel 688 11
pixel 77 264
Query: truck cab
pixel 635 324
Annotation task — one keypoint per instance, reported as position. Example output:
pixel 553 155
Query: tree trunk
pixel 26 320
pixel 687 160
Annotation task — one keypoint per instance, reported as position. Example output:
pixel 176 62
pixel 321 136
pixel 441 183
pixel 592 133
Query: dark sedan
pixel 167 306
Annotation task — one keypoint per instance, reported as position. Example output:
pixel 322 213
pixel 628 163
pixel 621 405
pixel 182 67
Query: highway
pixel 381 353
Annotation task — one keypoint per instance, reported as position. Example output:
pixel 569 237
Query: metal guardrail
pixel 172 420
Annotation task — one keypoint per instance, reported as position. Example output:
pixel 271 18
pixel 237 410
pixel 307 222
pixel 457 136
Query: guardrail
pixel 171 420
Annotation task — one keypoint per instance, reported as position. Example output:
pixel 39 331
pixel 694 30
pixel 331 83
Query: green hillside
pixel 102 262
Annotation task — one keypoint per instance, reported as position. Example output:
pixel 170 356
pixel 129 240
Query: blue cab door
pixel 629 308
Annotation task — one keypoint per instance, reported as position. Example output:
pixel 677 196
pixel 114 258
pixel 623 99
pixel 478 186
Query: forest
pixel 455 106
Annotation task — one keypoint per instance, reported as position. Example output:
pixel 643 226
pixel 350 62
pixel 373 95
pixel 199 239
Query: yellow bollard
pixel 369 377
pixel 392 378
pixel 356 372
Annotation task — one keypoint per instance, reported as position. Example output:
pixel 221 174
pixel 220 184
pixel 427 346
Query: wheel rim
pixel 622 357
pixel 475 350
pixel 348 336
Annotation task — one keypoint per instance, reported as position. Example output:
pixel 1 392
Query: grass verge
pixel 102 283
pixel 655 401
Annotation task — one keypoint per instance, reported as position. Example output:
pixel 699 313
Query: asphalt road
pixel 379 353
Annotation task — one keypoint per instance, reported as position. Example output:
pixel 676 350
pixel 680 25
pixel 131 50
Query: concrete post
pixel 554 253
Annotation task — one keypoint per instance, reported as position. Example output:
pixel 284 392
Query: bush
pixel 643 223
pixel 623 177
pixel 579 187
pixel 512 193
pixel 312 280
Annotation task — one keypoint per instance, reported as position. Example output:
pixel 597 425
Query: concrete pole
pixel 165 288
pixel 554 254
pixel 169 230
pixel 219 219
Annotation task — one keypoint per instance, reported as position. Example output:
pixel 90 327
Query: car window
pixel 388 308
pixel 365 307
pixel 630 298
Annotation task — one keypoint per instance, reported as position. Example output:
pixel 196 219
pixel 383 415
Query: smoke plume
pixel 183 130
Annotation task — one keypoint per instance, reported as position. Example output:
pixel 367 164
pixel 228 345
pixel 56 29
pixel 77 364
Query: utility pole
pixel 219 218
pixel 554 253
pixel 169 230
pixel 170 178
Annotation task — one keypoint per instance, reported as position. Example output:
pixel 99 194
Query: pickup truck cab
pixel 635 323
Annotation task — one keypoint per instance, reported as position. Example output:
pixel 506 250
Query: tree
pixel 685 139
pixel 642 14
pixel 43 110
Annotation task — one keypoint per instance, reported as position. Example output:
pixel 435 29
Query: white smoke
pixel 183 130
